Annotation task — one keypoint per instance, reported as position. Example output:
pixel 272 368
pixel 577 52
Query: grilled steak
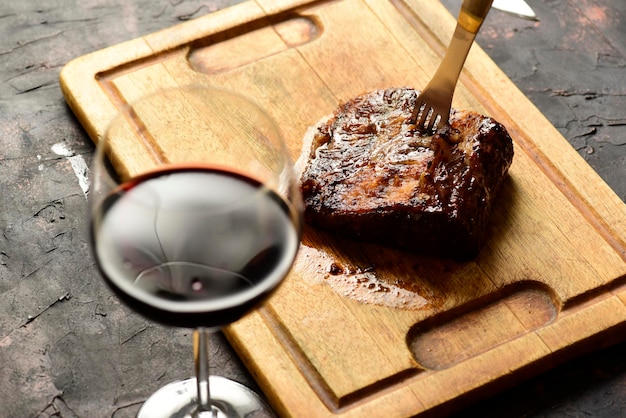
pixel 368 173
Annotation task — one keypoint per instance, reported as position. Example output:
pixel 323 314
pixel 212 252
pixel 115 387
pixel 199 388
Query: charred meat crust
pixel 372 175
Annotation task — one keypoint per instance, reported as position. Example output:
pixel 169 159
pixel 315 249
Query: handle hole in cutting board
pixel 518 309
pixel 231 49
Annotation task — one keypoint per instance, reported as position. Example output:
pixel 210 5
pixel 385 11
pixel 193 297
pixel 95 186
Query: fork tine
pixel 419 104
pixel 426 118
pixel 434 121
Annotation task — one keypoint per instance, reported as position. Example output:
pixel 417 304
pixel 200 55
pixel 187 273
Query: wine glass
pixel 195 220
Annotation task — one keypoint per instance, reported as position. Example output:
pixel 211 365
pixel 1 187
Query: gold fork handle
pixel 473 13
pixel 471 17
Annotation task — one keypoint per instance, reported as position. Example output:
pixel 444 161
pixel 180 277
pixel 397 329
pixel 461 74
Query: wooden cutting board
pixel 359 330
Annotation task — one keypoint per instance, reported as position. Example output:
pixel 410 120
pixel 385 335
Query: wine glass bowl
pixel 195 216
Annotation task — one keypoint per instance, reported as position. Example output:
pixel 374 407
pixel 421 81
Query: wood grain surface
pixel 548 280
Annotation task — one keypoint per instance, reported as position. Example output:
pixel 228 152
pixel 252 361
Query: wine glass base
pixel 229 399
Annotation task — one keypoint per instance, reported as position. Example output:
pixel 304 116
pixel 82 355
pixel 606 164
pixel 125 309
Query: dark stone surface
pixel 68 348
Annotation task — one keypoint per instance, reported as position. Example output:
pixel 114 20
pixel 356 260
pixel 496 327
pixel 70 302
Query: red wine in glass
pixel 194 246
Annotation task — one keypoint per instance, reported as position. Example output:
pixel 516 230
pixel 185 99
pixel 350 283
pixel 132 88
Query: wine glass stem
pixel 201 357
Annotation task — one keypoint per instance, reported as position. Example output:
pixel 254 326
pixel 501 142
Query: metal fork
pixel 433 104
